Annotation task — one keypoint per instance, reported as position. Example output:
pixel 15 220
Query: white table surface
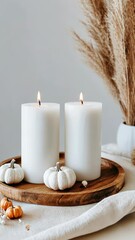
pixel 43 217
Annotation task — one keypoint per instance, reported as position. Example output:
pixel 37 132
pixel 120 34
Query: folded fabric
pixel 105 213
pixel 112 148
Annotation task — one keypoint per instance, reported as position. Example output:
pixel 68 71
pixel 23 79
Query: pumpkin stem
pixel 12 163
pixel 6 198
pixel 58 166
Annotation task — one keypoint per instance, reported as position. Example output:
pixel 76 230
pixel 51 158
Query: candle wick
pixel 81 101
pixel 39 102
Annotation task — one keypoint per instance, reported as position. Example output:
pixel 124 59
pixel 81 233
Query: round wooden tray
pixel 110 182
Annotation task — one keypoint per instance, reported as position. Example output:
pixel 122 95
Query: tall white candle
pixel 39 139
pixel 83 138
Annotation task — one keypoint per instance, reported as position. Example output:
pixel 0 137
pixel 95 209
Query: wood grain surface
pixel 111 181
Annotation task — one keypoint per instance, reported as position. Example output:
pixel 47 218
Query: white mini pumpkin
pixel 59 178
pixel 11 173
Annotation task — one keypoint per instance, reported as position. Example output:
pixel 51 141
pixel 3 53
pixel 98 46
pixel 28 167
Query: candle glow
pixel 39 98
pixel 81 98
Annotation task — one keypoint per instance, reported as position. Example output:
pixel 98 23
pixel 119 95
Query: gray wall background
pixel 37 52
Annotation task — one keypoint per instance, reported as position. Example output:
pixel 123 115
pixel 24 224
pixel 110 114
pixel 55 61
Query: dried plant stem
pixel 110 48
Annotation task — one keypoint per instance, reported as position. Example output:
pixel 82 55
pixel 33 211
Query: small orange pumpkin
pixel 5 203
pixel 14 212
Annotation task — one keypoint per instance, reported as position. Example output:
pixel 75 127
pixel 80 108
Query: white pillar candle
pixel 39 139
pixel 83 139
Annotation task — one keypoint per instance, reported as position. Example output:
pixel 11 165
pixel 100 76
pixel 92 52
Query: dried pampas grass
pixel 133 156
pixel 110 50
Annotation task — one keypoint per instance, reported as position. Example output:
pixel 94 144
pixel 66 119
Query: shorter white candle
pixel 83 138
pixel 39 138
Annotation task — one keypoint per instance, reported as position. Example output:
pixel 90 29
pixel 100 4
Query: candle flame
pixel 81 98
pixel 39 98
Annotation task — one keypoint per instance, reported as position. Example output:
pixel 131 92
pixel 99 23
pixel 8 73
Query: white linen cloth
pixel 68 222
pixel 104 214
pixel 112 148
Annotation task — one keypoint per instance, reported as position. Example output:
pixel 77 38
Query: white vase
pixel 126 138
